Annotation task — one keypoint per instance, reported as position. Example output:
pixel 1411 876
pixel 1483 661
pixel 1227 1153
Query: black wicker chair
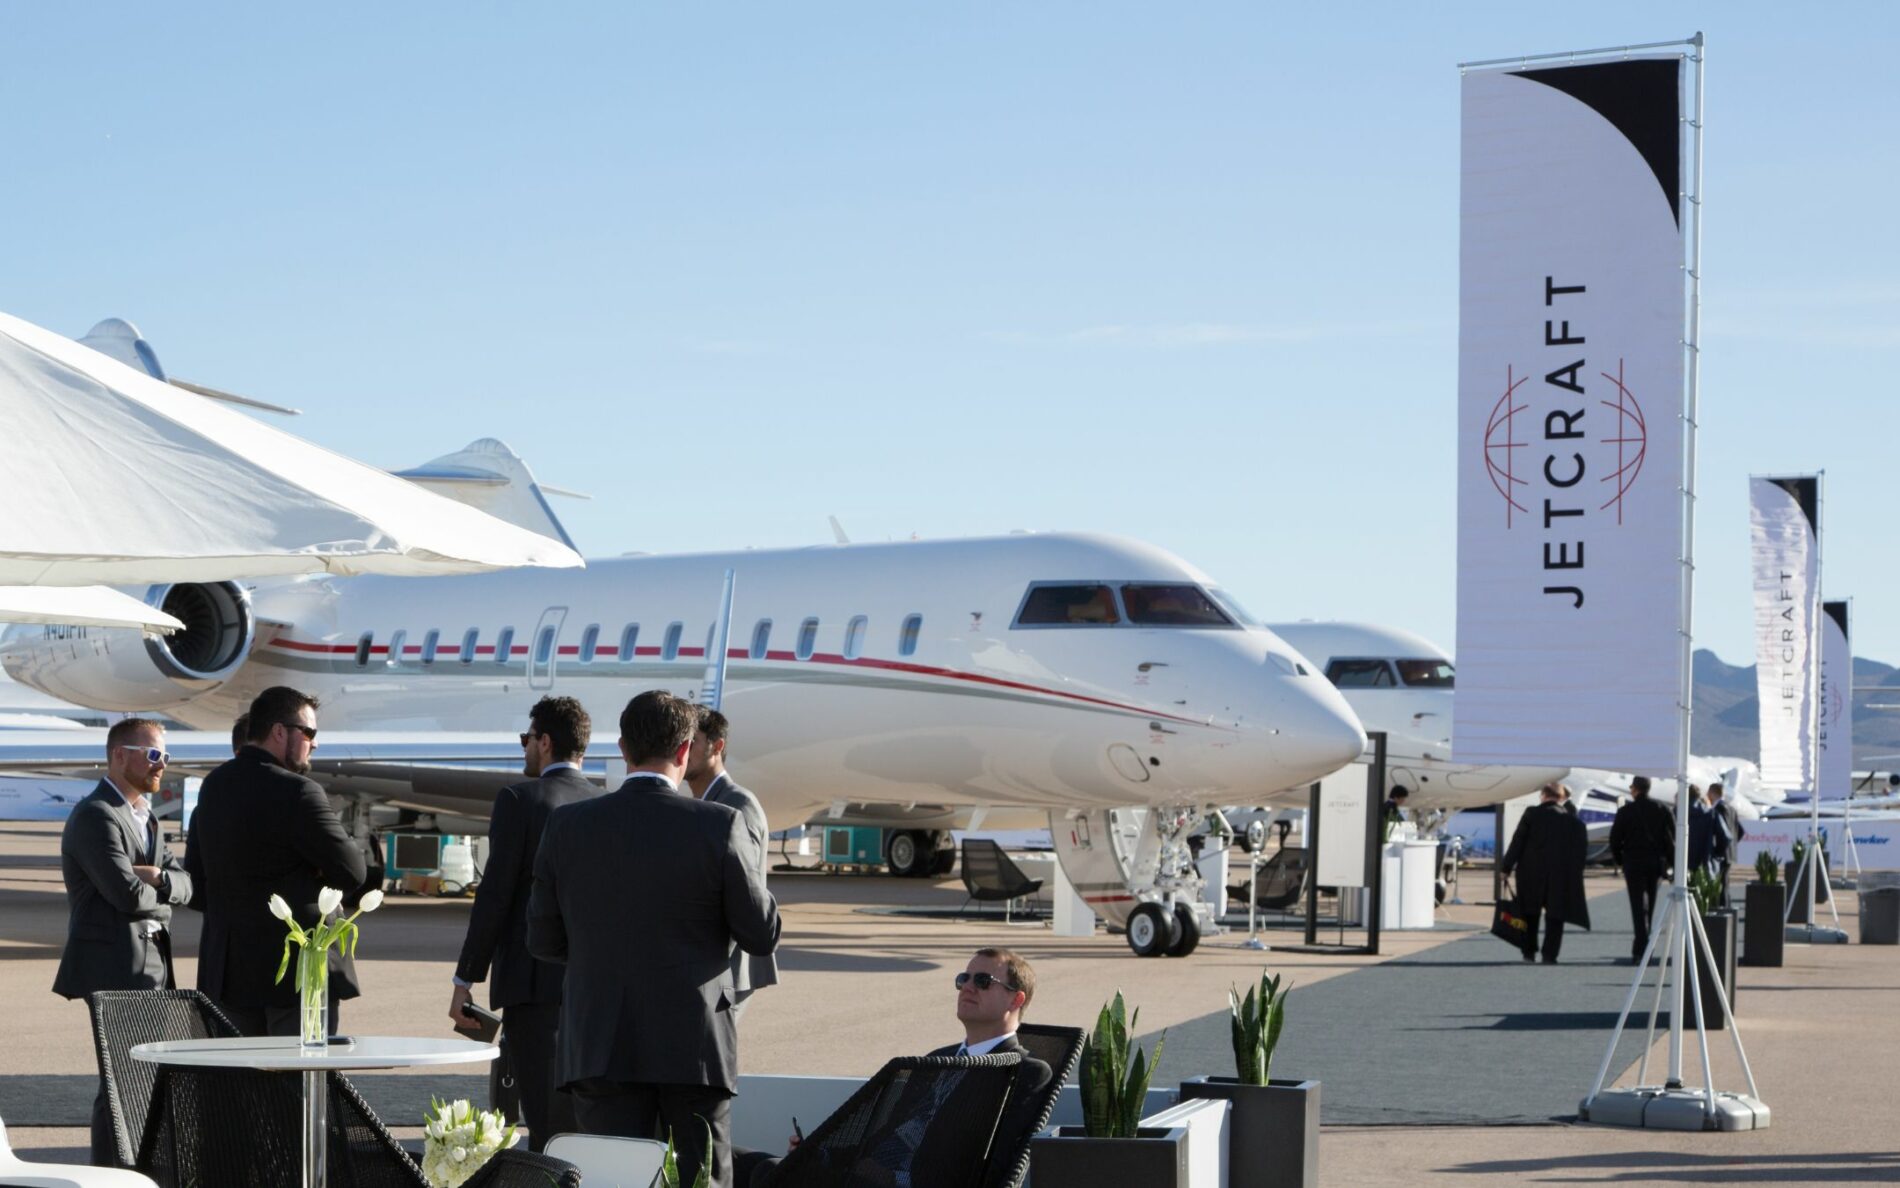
pixel 989 876
pixel 123 1018
pixel 243 1128
pixel 1061 1049
pixel 928 1121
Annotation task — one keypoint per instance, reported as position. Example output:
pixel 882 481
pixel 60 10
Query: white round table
pixel 286 1054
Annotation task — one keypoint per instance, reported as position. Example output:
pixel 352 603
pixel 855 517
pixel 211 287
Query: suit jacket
pixel 262 830
pixel 642 893
pixel 1548 852
pixel 498 923
pixel 1643 836
pixel 750 971
pixel 109 908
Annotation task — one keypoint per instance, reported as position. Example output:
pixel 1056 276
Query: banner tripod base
pixel 1651 1107
pixel 1814 934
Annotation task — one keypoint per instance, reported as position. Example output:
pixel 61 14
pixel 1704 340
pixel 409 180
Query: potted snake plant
pixel 1273 1127
pixel 1111 1146
pixel 1765 901
pixel 1719 924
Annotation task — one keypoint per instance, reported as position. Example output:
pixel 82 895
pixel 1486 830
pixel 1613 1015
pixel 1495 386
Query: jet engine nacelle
pixel 123 669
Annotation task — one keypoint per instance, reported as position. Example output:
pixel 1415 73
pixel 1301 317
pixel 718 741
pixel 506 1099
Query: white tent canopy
pixel 81 606
pixel 117 478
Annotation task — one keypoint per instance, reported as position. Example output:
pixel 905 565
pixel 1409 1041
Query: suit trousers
pixel 532 1028
pixel 1553 933
pixel 650 1111
pixel 1641 879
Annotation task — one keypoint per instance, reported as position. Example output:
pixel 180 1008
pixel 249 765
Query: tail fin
pixel 116 338
pixel 490 477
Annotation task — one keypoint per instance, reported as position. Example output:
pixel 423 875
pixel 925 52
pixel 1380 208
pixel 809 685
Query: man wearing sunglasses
pixel 121 884
pixel 263 827
pixel 527 992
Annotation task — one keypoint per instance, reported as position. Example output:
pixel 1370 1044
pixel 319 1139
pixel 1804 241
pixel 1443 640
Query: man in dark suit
pixel 1643 842
pixel 527 992
pixel 993 991
pixel 642 893
pixel 121 883
pixel 706 775
pixel 263 827
pixel 1547 853
pixel 1730 833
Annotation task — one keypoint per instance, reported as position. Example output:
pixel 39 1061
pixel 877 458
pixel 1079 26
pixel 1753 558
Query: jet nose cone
pixel 1321 737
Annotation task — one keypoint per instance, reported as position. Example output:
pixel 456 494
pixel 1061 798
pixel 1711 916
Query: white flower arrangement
pixel 459 1139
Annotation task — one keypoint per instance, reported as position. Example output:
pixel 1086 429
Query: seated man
pixel 993 991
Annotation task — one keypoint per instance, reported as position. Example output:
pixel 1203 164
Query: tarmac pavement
pixel 862 984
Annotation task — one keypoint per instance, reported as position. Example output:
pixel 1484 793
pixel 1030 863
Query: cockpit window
pixel 1232 606
pixel 1426 674
pixel 1069 605
pixel 1361 674
pixel 1175 604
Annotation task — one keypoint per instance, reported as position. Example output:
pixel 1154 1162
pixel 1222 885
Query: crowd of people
pixel 1550 846
pixel 620 933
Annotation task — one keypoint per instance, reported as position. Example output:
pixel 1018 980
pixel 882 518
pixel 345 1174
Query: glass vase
pixel 313 998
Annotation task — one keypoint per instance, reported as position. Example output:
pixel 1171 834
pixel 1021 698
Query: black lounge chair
pixel 1061 1049
pixel 929 1121
pixel 124 1018
pixel 989 877
pixel 1281 884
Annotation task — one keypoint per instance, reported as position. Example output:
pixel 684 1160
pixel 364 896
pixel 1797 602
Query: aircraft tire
pixel 1187 931
pixel 905 855
pixel 1151 930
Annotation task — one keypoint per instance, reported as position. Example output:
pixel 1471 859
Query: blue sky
pixel 1187 275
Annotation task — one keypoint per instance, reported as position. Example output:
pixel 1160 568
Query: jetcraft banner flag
pixel 1837 704
pixel 1785 525
pixel 1572 310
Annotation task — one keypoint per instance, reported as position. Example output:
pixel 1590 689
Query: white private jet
pixel 1053 672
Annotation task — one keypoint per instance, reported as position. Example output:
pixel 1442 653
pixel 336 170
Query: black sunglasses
pixel 528 736
pixel 983 981
pixel 309 732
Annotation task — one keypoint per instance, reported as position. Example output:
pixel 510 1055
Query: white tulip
pixel 279 908
pixel 328 900
pixel 371 901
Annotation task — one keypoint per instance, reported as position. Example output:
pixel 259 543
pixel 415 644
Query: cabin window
pixel 395 647
pixel 363 644
pixel 469 638
pixel 429 642
pixel 1360 674
pixel 1426 674
pixel 589 639
pixel 854 637
pixel 670 646
pixel 505 645
pixel 908 633
pixel 629 638
pixel 544 646
pixel 761 639
pixel 1171 604
pixel 807 638
pixel 1069 604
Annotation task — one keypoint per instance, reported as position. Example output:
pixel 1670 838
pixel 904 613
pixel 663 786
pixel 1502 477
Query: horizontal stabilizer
pixel 490 477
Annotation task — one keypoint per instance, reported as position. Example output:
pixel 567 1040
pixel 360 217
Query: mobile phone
pixel 342 1041
pixel 796 1130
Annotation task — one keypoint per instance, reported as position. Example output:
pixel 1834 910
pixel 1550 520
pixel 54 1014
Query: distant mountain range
pixel 1727 711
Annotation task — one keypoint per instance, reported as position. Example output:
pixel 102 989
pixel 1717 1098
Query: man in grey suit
pixel 706 775
pixel 642 893
pixel 527 992
pixel 121 883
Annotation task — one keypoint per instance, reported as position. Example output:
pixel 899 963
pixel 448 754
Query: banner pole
pixel 1815 643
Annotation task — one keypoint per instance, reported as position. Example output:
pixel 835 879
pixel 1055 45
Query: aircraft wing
pixel 439 772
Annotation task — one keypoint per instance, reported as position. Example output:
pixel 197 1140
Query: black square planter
pixel 1272 1129
pixel 1797 882
pixel 1762 930
pixel 1720 926
pixel 1156 1156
